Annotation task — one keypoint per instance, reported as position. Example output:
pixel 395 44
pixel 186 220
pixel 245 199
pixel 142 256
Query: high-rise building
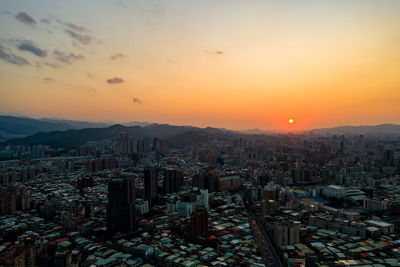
pixel 280 235
pixel 229 183
pixel 271 191
pixel 30 251
pixel 268 207
pixel 199 223
pixel 99 164
pixel 121 205
pixel 191 200
pixel 126 145
pixel 151 185
pixel 205 181
pixel 161 146
pixel 8 177
pixel 388 158
pixel 142 206
pixel 173 179
pixel 198 180
pixel 263 179
pixel 286 233
pixel 8 200
pixel 294 233
pixel 204 197
pixel 146 144
pixel 140 146
pixel 211 182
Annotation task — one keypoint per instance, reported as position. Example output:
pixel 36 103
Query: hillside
pixel 176 135
pixel 356 130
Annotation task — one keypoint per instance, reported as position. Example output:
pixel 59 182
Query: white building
pixel 375 204
pixel 204 194
pixel 384 227
pixel 142 206
pixel 194 199
pixel 335 191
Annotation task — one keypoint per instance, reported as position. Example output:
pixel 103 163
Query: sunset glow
pixel 231 64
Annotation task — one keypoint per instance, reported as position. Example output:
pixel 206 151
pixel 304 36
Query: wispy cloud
pixel 76 28
pixel 11 58
pixel 137 100
pixel 215 52
pixel 115 80
pixel 157 10
pixel 25 18
pixel 47 79
pixel 52 65
pixel 73 27
pixel 29 46
pixel 122 4
pixel 117 56
pixel 76 32
pixel 67 58
pixel 84 39
pixel 45 21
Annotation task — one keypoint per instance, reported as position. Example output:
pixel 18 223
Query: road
pixel 265 246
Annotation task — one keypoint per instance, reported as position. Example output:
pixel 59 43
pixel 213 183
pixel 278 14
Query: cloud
pixel 115 80
pixel 73 27
pixel 12 58
pixel 84 39
pixel 29 46
pixel 215 52
pixel 117 56
pixel 137 100
pixel 51 65
pixel 67 58
pixel 47 79
pixel 45 21
pixel 157 10
pixel 25 18
pixel 122 4
pixel 76 28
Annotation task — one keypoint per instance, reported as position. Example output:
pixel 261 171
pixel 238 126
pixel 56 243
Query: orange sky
pixel 231 64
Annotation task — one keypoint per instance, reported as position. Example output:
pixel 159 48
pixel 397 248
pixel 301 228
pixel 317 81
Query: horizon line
pixel 263 131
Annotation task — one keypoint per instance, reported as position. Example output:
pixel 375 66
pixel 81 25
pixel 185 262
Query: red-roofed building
pixel 62 239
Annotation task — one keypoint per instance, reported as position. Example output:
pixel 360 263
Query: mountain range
pixel 60 133
pixel 178 136
pixel 19 126
pixel 355 130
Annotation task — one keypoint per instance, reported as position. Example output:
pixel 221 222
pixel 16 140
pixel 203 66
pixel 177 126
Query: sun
pixel 291 121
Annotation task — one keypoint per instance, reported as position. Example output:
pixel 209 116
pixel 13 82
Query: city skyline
pixel 225 64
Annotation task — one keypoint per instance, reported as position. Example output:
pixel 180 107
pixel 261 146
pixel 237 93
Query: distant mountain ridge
pixel 386 128
pixel 177 136
pixel 12 126
pixel 78 124
pixel 67 133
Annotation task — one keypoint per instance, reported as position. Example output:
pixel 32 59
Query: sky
pixel 228 63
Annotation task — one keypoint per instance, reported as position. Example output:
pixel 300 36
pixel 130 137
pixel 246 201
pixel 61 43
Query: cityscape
pixel 209 133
